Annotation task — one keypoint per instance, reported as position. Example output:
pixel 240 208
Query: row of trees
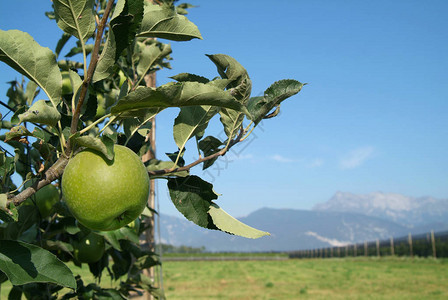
pixel 423 245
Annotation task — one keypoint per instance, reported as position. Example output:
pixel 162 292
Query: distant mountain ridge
pixel 346 218
pixel 408 211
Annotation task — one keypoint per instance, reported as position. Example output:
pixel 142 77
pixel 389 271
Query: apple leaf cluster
pixel 95 101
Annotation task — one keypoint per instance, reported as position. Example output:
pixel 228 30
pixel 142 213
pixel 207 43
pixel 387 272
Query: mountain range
pixel 344 219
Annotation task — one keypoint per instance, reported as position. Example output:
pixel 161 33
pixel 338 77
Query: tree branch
pixel 221 152
pixel 53 173
pixel 91 69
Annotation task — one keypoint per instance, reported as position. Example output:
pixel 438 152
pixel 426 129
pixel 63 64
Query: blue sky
pixel 373 116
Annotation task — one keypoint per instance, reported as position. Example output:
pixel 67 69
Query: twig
pixel 54 172
pixel 221 152
pixel 91 69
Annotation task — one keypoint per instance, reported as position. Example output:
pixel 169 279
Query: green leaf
pixel 124 233
pixel 176 95
pixel 190 77
pixel 23 54
pixel 31 92
pixel 191 121
pixel 209 146
pixel 193 196
pixel 229 224
pixel 259 107
pixel 16 132
pixel 25 263
pixel 124 23
pixel 41 112
pixel 162 21
pixel 231 120
pixel 156 165
pixel 76 17
pixel 103 145
pixel 149 55
pixel 61 43
pixel 146 261
pixel 132 125
pixel 227 66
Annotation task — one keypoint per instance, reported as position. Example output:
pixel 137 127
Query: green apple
pixel 66 83
pixel 104 195
pixel 44 198
pixel 89 249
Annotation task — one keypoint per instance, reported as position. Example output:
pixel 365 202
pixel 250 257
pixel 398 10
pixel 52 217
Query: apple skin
pixel 44 198
pixel 89 249
pixel 105 195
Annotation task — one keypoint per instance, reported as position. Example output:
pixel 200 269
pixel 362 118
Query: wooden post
pixel 433 242
pixel 331 252
pixel 355 250
pixel 378 248
pixel 411 252
pixel 150 80
pixel 346 250
pixel 365 248
pixel 339 251
pixel 392 249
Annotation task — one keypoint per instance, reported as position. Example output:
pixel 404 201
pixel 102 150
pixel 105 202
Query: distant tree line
pixel 422 245
pixel 166 248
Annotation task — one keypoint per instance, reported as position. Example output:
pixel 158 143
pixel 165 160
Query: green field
pixel 351 278
pixel 360 278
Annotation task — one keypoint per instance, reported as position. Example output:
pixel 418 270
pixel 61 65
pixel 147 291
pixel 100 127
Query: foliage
pixel 97 97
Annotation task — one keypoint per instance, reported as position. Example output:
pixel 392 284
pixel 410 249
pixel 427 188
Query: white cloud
pixel 315 163
pixel 357 157
pixel 282 159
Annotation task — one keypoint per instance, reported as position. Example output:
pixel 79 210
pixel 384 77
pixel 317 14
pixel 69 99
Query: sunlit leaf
pixel 176 95
pixel 103 145
pixel 162 21
pixel 259 107
pixel 75 17
pixel 229 224
pixel 41 112
pixel 26 56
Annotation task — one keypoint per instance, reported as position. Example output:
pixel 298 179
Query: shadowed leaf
pixel 25 263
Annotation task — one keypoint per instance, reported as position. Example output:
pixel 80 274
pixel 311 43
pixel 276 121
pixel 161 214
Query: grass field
pixel 360 278
pixel 351 278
